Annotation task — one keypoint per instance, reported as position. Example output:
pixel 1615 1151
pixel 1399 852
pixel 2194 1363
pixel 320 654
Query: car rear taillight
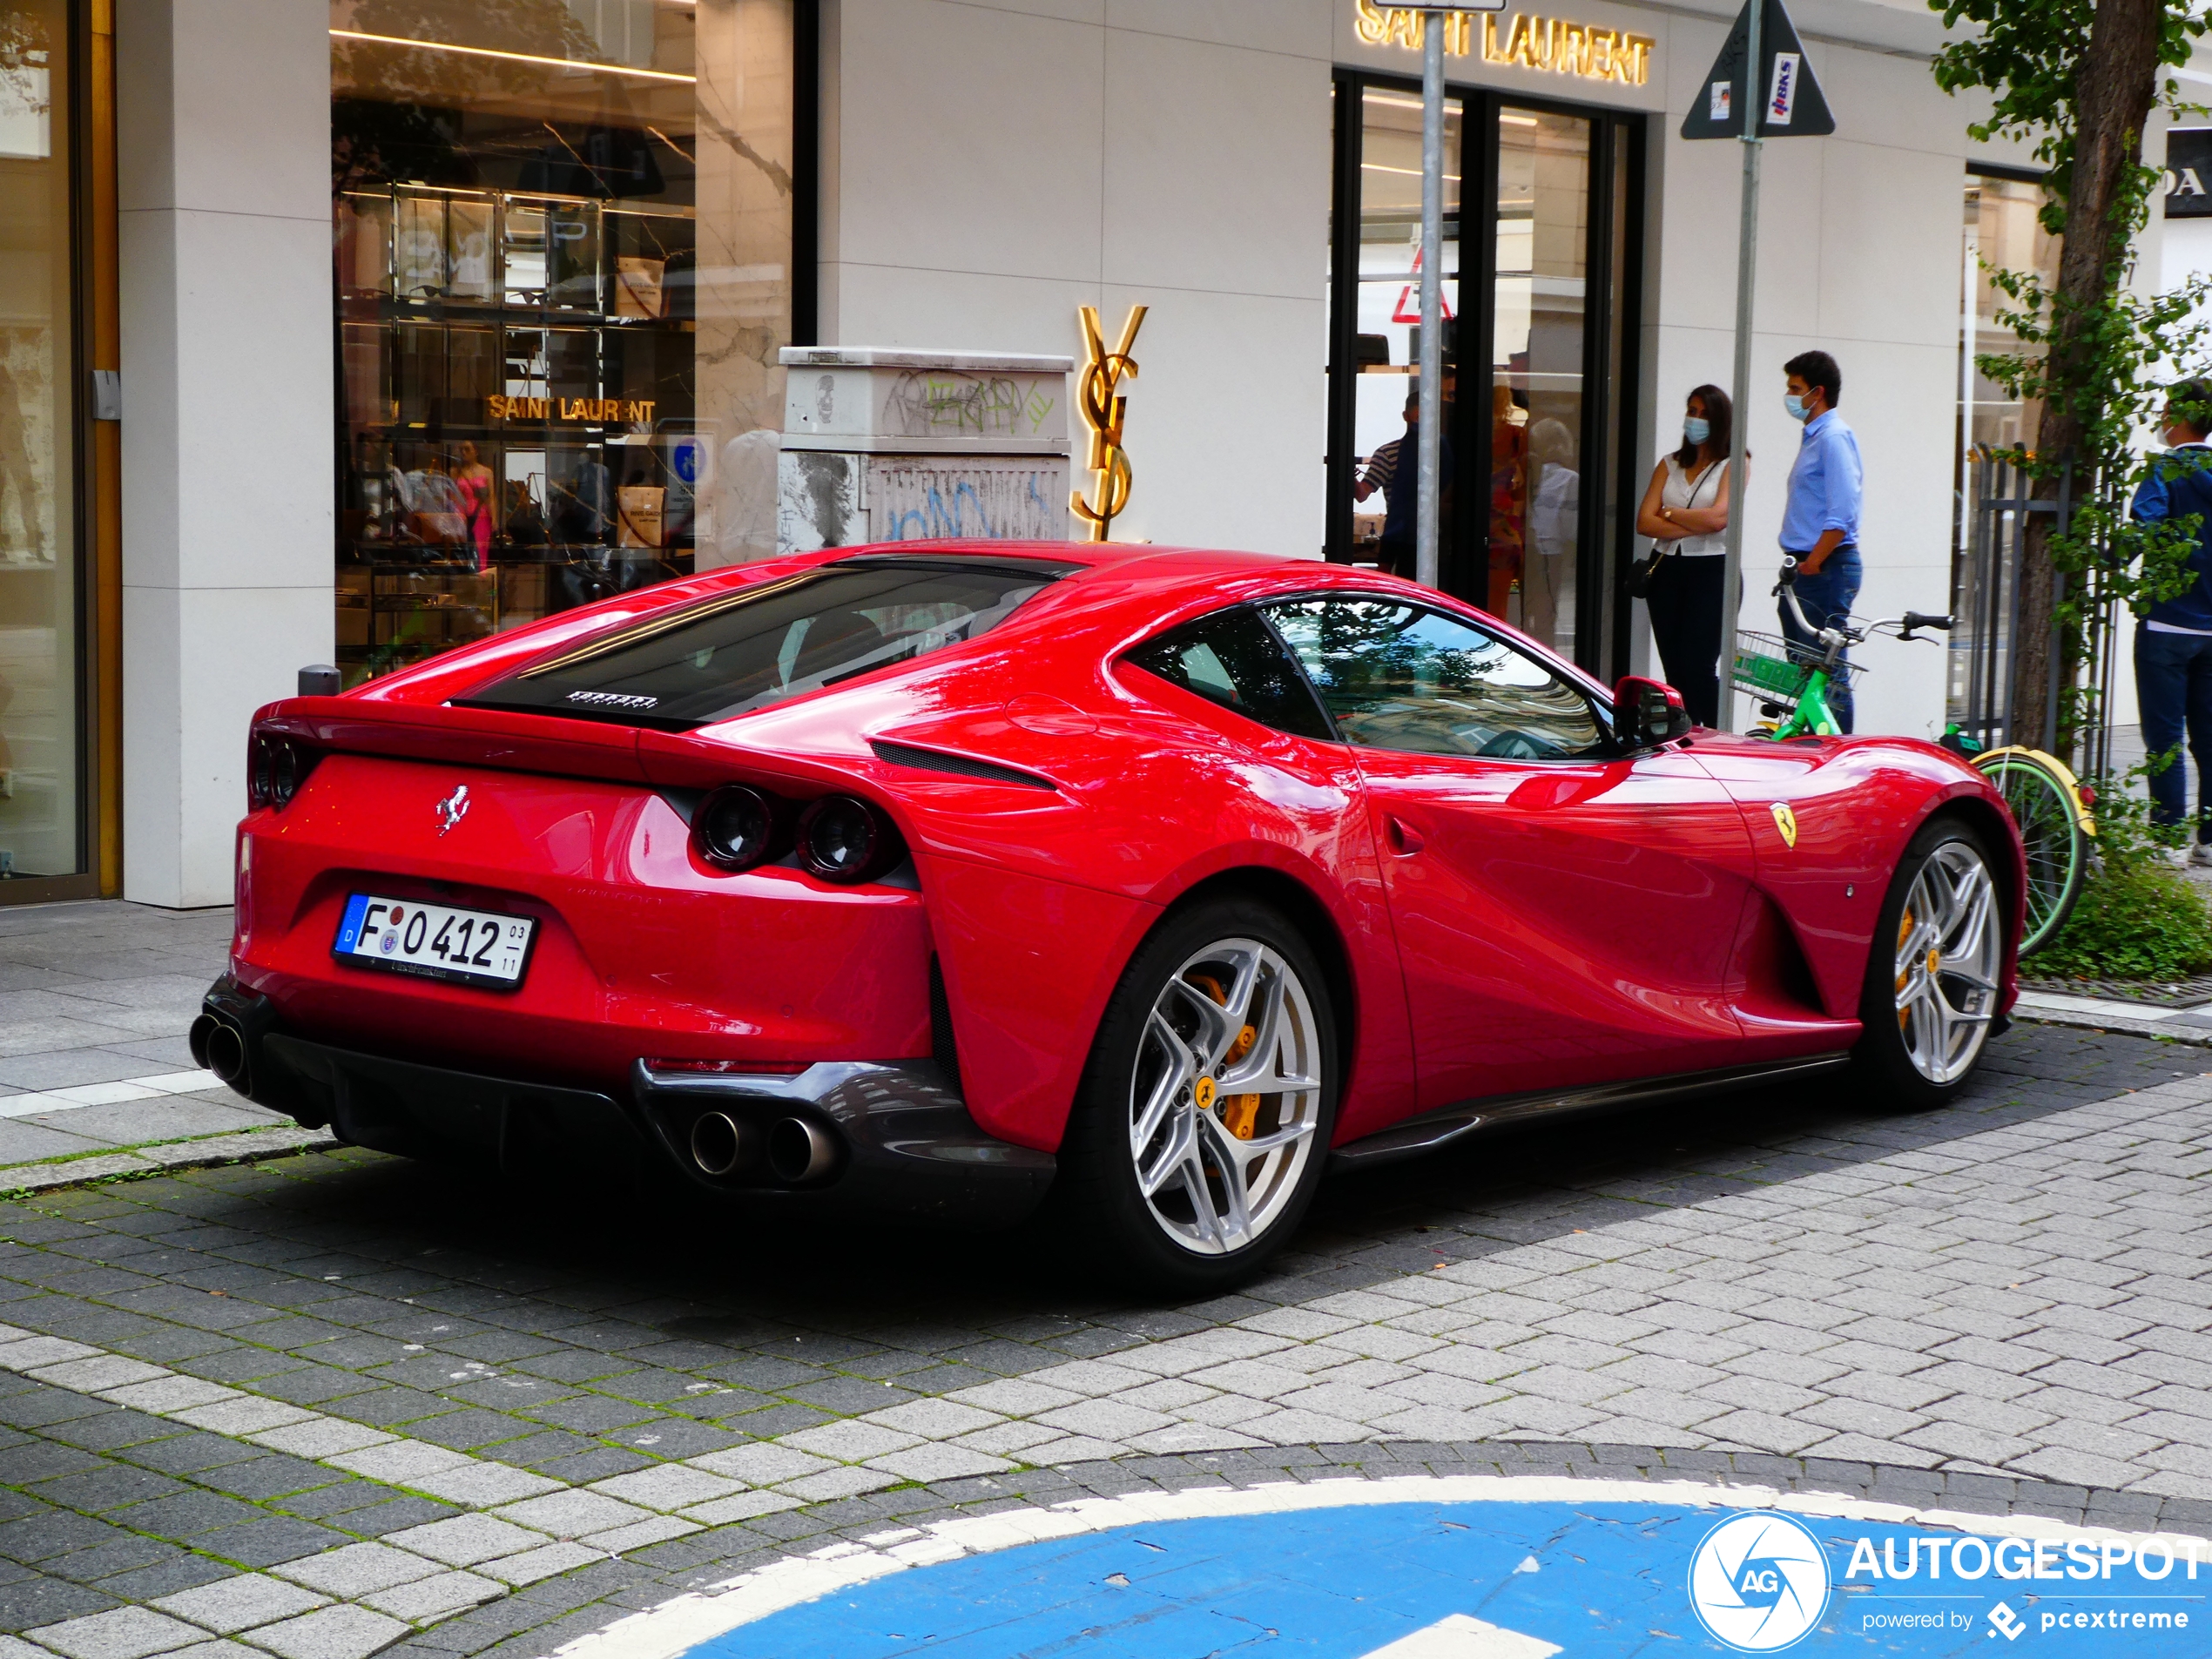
pixel 275 767
pixel 843 839
pixel 732 1068
pixel 736 827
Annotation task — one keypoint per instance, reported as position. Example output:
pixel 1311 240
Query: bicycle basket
pixel 1775 671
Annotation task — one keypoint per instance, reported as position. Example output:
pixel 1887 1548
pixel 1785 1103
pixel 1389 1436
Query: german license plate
pixel 434 940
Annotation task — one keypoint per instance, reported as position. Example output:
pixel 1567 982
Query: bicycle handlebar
pixel 1846 633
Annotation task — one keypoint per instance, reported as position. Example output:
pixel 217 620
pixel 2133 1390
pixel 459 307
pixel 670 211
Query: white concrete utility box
pixel 911 446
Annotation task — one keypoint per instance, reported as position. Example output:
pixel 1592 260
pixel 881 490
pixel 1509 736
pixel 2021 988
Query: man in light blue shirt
pixel 1820 523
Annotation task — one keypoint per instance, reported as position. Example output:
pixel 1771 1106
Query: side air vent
pixel 941 1042
pixel 904 754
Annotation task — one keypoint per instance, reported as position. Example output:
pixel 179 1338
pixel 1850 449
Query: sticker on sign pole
pixel 1781 95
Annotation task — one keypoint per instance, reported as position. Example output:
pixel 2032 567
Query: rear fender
pixel 1029 965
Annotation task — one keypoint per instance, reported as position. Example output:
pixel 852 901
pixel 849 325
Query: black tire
pixel 1103 1210
pixel 1916 1057
pixel 2048 816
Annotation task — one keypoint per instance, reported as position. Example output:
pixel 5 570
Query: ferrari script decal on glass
pixel 453 809
pixel 1786 821
pixel 614 699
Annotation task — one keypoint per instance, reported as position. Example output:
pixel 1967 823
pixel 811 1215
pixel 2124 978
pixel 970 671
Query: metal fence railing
pixel 1985 598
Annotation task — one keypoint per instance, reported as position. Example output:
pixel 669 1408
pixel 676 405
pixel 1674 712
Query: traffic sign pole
pixel 1748 85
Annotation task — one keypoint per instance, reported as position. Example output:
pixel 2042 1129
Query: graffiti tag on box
pixel 944 403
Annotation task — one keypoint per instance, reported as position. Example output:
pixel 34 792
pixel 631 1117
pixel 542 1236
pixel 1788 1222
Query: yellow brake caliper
pixel 1903 933
pixel 1239 1112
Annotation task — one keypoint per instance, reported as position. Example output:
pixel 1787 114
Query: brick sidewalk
pixel 333 1402
pixel 95 999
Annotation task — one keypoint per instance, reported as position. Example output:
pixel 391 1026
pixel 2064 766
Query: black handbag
pixel 1645 570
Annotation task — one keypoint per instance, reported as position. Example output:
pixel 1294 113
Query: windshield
pixel 739 651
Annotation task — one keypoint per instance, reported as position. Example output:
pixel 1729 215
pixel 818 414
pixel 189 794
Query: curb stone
pixel 246 1146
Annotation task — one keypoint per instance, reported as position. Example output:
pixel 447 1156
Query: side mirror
pixel 1648 712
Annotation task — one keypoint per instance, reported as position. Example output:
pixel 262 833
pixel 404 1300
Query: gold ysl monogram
pixel 1102 412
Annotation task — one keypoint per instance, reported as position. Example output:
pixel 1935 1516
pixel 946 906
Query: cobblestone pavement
pixel 335 1401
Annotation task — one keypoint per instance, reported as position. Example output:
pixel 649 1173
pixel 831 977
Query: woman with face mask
pixel 1685 512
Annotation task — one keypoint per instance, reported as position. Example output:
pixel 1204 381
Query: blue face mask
pixel 1796 405
pixel 1694 430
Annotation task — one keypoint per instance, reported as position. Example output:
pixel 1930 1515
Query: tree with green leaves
pixel 2078 79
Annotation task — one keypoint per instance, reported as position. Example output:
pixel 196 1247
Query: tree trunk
pixel 2114 85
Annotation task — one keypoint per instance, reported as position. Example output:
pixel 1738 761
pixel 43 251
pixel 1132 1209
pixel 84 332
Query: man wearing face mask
pixel 1820 523
pixel 2174 643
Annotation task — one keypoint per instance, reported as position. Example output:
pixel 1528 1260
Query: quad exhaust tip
pixel 721 1144
pixel 219 1045
pixel 797 1150
pixel 800 1150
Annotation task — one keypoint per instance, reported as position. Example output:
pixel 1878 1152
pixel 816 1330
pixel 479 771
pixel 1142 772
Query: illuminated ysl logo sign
pixel 1102 412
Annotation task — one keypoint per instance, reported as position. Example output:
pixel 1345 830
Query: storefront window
pixel 1536 372
pixel 41 804
pixel 1389 346
pixel 1531 509
pixel 2003 231
pixel 563 233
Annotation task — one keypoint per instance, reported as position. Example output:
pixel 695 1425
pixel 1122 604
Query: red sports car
pixel 945 879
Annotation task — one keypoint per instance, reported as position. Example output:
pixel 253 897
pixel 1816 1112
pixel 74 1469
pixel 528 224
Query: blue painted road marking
pixel 1439 1568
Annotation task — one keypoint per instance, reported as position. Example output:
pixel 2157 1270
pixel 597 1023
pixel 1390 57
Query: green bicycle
pixel 2049 804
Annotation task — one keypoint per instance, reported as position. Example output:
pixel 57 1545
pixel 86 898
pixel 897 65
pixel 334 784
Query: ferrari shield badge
pixel 1786 821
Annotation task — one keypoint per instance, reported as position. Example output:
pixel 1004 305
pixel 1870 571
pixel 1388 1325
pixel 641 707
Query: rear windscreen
pixel 761 645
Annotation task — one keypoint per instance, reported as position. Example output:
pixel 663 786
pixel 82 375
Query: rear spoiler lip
pixel 550 747
pixel 460 737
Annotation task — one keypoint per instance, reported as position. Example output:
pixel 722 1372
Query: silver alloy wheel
pixel 1198 1082
pixel 1948 951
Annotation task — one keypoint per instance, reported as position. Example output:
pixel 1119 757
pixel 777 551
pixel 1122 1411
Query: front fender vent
pixel 904 754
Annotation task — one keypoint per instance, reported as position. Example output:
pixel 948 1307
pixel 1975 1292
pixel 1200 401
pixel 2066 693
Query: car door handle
pixel 1404 840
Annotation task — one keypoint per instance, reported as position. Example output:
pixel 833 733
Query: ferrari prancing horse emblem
pixel 1786 821
pixel 453 809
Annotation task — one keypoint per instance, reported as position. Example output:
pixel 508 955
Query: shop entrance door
pixel 1538 354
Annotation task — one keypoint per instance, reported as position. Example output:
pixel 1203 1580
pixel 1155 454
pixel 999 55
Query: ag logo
pixel 1759 1582
pixel 1786 821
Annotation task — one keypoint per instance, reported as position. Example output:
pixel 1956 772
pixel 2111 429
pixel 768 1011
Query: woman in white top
pixel 1685 511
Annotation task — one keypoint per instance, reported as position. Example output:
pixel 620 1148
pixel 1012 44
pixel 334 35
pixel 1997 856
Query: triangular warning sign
pixel 1408 308
pixel 1794 106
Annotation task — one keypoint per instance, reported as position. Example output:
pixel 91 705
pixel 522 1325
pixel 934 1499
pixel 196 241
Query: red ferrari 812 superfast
pixel 951 878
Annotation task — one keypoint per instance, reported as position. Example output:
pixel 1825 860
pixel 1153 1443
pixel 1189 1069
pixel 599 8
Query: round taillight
pixel 735 827
pixel 843 840
pixel 284 772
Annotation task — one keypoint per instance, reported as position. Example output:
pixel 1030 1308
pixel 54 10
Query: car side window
pixel 1397 676
pixel 1232 657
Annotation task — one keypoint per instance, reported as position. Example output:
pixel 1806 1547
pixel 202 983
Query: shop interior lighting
pixel 514 58
pixel 1452 109
pixel 1407 172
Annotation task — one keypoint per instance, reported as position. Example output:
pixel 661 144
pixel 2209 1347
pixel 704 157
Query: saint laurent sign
pixel 592 411
pixel 1525 40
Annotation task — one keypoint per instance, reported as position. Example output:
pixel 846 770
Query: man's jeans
pixel 2174 692
pixel 1827 599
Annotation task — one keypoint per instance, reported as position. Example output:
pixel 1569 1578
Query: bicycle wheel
pixel 2050 834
